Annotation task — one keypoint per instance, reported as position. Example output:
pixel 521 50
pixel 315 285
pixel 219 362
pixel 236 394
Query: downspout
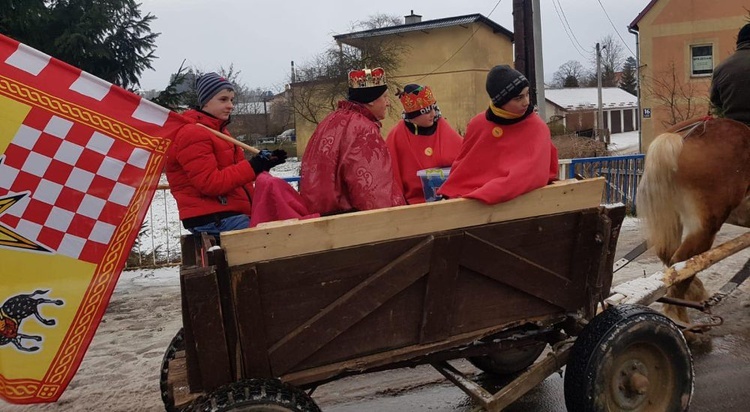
pixel 638 115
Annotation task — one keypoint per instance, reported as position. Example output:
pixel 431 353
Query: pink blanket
pixel 275 199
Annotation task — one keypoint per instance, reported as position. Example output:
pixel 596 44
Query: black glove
pixel 265 160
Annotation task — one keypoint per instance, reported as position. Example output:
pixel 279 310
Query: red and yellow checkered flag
pixel 79 162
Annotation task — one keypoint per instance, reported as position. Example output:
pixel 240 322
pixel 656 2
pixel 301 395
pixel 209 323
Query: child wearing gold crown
pixel 346 165
pixel 423 140
pixel 507 150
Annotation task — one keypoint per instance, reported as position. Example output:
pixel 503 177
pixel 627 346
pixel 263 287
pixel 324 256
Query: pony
pixel 695 175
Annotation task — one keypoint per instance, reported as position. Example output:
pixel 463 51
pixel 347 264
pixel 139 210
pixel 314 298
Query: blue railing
pixel 622 174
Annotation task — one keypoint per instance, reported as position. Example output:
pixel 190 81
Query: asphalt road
pixel 721 362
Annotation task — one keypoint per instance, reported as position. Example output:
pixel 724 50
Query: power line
pixel 461 47
pixel 562 11
pixel 568 34
pixel 614 27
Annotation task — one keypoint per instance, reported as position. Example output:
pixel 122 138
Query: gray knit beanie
pixel 504 83
pixel 208 85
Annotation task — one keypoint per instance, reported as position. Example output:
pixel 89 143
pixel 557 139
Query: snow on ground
pixel 624 143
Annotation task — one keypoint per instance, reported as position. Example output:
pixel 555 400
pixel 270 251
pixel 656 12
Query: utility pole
pixel 292 103
pixel 600 112
pixel 527 40
pixel 265 112
pixel 519 36
pixel 538 62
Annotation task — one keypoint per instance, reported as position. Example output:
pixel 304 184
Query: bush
pixel 570 146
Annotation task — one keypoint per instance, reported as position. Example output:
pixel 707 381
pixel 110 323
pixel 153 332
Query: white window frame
pixel 705 62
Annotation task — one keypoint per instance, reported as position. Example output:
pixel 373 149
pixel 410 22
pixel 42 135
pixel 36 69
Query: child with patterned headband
pixel 422 141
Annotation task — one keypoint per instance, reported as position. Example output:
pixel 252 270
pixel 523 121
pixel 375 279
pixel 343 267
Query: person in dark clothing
pixel 208 176
pixel 730 86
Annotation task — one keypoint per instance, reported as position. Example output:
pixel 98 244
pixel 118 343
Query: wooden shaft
pixel 684 270
pixel 231 139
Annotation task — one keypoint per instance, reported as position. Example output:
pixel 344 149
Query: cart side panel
pixel 370 300
pixel 205 339
pixel 294 289
pixel 528 263
pixel 439 299
pixel 251 330
pixel 616 216
pixel 274 298
pixel 356 304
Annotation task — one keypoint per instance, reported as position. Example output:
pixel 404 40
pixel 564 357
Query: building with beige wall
pixel 680 42
pixel 451 55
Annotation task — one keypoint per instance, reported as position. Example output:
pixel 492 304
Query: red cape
pixel 500 162
pixel 411 153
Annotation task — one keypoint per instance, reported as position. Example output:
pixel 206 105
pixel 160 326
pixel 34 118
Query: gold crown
pixel 359 79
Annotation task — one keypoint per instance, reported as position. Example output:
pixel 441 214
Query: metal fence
pixel 622 174
pixel 159 240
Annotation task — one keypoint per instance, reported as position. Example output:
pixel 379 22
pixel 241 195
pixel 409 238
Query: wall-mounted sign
pixel 647 113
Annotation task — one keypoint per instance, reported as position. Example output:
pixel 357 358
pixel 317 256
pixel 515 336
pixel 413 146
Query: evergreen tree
pixel 107 38
pixel 628 81
pixel 570 81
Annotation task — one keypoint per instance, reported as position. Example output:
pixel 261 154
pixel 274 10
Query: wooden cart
pixel 284 308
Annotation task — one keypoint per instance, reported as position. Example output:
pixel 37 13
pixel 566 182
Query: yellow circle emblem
pixel 497 132
pixel 428 151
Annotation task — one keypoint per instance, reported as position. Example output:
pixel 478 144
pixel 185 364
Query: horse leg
pixel 740 216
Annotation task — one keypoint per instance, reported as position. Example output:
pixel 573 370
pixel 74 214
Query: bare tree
pixel 682 99
pixel 569 74
pixel 319 84
pixel 612 60
pixel 377 21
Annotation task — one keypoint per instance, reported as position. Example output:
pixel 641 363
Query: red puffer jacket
pixel 206 174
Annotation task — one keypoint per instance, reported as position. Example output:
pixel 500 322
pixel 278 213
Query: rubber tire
pixel 509 361
pixel 621 340
pixel 177 344
pixel 255 395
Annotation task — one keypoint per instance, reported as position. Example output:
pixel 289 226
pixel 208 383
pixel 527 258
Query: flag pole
pixel 230 139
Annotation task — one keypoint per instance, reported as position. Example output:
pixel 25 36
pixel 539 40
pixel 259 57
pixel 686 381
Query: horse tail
pixel 657 192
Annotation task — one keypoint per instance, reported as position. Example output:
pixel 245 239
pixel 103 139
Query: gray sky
pixel 262 37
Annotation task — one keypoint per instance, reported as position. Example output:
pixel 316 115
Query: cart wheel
pixel 510 361
pixel 629 358
pixel 177 344
pixel 256 395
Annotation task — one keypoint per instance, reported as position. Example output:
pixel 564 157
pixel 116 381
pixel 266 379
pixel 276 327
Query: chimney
pixel 412 18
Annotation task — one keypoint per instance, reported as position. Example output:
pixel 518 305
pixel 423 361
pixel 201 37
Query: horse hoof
pixel 698 342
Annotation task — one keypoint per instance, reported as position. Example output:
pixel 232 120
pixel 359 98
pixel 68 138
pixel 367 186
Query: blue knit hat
pixel 208 85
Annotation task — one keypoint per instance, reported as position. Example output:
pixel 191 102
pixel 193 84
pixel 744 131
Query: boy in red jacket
pixel 209 177
pixel 507 150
